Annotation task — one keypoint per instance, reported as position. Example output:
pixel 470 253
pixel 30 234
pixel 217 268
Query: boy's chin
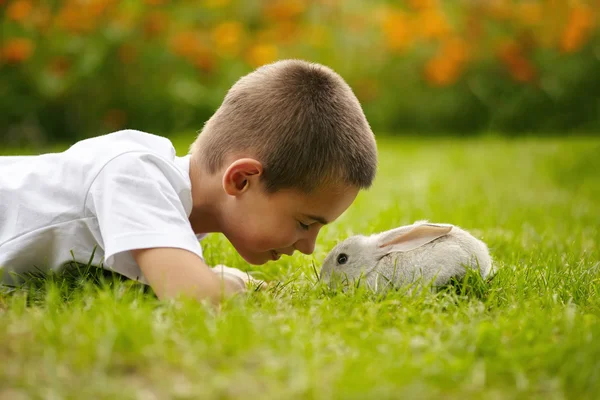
pixel 256 258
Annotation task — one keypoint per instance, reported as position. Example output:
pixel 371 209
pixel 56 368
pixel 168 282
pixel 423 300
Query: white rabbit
pixel 423 252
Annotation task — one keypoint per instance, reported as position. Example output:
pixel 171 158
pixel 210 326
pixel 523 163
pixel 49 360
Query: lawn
pixel 533 331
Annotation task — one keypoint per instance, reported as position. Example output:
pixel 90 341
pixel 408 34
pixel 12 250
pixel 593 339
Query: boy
pixel 287 152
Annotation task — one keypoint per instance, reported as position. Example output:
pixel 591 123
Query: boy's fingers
pixel 246 278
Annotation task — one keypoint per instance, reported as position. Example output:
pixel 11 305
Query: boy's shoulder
pixel 124 141
pixel 129 155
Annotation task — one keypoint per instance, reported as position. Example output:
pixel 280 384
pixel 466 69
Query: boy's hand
pixel 237 275
pixel 173 272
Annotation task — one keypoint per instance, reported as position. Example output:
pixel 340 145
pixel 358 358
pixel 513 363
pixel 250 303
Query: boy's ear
pixel 240 175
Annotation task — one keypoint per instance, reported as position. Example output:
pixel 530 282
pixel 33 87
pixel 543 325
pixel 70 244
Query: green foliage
pixel 73 69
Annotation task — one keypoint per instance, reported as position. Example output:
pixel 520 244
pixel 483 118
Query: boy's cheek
pixel 252 240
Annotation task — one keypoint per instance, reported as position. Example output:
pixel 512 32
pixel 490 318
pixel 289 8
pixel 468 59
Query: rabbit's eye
pixel 342 258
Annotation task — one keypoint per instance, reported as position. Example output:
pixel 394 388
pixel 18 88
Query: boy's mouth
pixel 275 255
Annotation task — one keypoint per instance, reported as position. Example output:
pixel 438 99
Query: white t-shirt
pixel 114 193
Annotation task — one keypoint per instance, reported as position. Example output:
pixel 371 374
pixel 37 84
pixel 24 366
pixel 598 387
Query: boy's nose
pixel 306 246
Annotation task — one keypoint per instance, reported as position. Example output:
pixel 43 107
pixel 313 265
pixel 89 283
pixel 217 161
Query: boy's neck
pixel 207 195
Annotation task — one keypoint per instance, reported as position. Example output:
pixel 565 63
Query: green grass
pixel 533 331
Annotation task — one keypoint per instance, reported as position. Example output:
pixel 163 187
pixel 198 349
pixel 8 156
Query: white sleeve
pixel 138 200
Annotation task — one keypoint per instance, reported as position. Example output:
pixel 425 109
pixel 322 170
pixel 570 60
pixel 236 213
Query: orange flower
pixel 204 59
pixel 397 31
pixel 432 24
pixel 75 19
pixel 261 54
pixel 455 48
pixel 284 9
pixel 286 31
pixel 188 44
pixel 17 50
pixel 440 71
pixel 422 4
pixel 499 9
pixel 19 10
pixel 445 68
pixel 554 15
pixel 95 8
pixel 530 13
pixel 513 57
pixel 227 37
pixel 185 43
pixel 579 27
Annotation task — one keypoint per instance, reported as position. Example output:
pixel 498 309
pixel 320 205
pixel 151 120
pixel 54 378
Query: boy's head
pixel 289 138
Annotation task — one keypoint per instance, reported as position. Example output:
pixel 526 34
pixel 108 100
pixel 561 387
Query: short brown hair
pixel 301 120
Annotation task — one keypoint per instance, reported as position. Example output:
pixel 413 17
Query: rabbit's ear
pixel 416 237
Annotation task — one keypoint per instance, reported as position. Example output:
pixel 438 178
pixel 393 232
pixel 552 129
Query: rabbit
pixel 424 252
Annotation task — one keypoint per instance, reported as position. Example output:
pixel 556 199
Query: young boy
pixel 286 153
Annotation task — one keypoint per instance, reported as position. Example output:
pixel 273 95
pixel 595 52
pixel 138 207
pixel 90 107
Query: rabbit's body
pixel 422 252
pixel 436 262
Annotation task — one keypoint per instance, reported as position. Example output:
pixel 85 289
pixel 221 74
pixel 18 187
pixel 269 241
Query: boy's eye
pixel 304 226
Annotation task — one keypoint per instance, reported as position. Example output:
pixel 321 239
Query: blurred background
pixel 77 68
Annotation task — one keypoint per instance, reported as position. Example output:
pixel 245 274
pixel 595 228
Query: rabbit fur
pixel 429 253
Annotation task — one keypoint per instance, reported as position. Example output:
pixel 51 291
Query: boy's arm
pixel 173 272
pixel 145 228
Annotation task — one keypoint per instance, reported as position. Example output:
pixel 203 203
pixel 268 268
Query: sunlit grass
pixel 531 331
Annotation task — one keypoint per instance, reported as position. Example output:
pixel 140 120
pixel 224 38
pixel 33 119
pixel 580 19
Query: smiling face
pixel 262 226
